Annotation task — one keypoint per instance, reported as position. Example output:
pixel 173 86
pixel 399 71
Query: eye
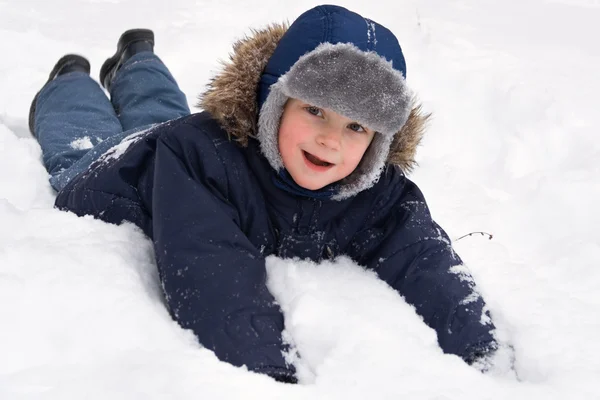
pixel 316 111
pixel 356 127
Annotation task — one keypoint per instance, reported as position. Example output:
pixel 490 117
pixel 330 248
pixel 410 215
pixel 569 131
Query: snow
pixel 83 143
pixel 118 150
pixel 512 150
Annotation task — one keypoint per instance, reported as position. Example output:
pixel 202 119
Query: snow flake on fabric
pixel 371 37
pixel 82 143
pixel 463 273
pixel 486 319
pixel 115 152
pixel 473 297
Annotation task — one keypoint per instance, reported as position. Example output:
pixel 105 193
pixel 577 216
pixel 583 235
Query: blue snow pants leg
pixel 75 123
pixel 144 92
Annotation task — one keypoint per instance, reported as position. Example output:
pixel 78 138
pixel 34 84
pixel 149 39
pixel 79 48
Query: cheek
pixel 355 152
pixel 292 132
pixel 285 145
pixel 286 142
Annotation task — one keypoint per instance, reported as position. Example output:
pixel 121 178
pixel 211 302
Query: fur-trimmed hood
pixel 231 96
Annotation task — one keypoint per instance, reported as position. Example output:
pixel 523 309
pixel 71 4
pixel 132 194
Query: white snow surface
pixel 512 150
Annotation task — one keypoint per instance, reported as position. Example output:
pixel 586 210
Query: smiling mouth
pixel 316 160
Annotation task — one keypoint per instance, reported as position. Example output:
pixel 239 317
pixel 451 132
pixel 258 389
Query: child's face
pixel 319 146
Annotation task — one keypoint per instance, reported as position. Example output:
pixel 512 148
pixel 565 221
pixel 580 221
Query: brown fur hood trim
pixel 231 96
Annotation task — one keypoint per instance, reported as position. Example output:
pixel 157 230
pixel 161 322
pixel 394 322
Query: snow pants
pixel 75 122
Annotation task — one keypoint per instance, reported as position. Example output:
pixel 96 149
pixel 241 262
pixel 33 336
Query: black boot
pixel 131 42
pixel 66 64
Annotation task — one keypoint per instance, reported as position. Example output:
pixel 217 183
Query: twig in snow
pixel 474 233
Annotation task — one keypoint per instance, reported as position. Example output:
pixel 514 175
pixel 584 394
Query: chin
pixel 309 184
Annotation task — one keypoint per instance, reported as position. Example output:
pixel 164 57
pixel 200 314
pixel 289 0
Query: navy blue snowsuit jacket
pixel 215 210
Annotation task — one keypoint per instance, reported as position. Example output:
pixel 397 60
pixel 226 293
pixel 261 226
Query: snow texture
pixel 512 150
pixel 115 152
pixel 83 143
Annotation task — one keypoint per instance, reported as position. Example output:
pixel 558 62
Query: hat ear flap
pixel 269 120
pixel 369 169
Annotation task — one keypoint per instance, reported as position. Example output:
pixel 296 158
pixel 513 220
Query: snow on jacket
pixel 200 187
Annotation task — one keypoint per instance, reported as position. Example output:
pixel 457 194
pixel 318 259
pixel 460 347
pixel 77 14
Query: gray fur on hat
pixel 360 85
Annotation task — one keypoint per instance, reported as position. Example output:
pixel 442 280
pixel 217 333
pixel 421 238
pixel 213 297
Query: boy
pixel 301 152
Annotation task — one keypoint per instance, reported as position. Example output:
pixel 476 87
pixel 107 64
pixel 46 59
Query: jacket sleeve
pixel 416 258
pixel 212 275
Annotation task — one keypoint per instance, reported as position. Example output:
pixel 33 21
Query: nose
pixel 330 138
